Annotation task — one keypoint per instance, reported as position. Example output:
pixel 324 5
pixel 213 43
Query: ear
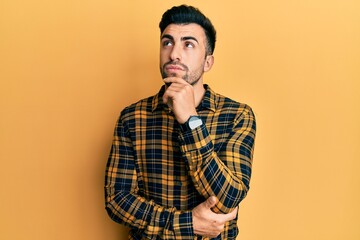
pixel 209 61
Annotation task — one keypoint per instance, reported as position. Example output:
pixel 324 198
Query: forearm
pixel 125 205
pixel 152 219
pixel 224 173
pixel 123 202
pixel 211 177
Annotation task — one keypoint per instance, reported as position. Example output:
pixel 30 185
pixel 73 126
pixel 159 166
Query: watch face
pixel 194 122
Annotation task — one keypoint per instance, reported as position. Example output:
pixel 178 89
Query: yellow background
pixel 67 68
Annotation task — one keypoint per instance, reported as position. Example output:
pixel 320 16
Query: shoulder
pixel 142 106
pixel 228 105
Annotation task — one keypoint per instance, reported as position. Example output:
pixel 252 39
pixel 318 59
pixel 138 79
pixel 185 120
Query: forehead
pixel 185 30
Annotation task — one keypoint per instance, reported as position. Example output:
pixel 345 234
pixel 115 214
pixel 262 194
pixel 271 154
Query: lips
pixel 173 68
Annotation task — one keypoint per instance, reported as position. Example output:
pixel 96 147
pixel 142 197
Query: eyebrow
pixel 182 39
pixel 189 38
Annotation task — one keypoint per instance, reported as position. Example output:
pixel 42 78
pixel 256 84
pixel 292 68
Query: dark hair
pixel 185 14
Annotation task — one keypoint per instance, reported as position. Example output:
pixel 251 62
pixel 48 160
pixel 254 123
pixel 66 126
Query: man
pixel 180 161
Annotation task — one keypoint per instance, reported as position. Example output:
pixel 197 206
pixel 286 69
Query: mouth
pixel 173 68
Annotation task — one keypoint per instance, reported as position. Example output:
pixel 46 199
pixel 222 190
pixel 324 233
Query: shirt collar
pixel 208 102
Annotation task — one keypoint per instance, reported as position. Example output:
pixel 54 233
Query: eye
pixel 189 45
pixel 167 43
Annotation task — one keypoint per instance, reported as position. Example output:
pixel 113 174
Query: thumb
pixel 211 201
pixel 165 98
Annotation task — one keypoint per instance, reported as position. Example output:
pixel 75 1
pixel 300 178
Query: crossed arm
pixel 222 178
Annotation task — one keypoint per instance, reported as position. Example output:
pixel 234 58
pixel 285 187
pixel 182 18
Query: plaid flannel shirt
pixel 157 171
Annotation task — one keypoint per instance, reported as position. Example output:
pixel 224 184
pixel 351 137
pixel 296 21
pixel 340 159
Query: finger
pixel 169 94
pixel 169 80
pixel 211 202
pixel 165 99
pixel 231 215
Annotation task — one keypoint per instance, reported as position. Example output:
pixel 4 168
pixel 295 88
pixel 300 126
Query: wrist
pixel 185 117
pixel 183 224
pixel 192 122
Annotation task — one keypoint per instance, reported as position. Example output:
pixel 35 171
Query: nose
pixel 175 54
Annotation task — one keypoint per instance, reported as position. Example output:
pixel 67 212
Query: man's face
pixel 182 52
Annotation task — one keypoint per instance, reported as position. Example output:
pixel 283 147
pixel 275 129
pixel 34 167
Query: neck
pixel 199 92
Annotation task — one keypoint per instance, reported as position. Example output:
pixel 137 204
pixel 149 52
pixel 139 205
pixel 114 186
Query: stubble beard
pixel 192 78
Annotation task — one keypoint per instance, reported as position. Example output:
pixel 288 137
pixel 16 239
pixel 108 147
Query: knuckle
pixel 220 228
pixel 187 88
pixel 215 233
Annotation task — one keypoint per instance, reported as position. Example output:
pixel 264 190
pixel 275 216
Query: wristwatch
pixel 192 123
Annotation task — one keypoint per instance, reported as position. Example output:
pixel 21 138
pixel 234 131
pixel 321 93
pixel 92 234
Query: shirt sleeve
pixel 225 173
pixel 125 205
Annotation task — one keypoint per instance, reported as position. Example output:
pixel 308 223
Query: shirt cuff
pixel 183 225
pixel 198 139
